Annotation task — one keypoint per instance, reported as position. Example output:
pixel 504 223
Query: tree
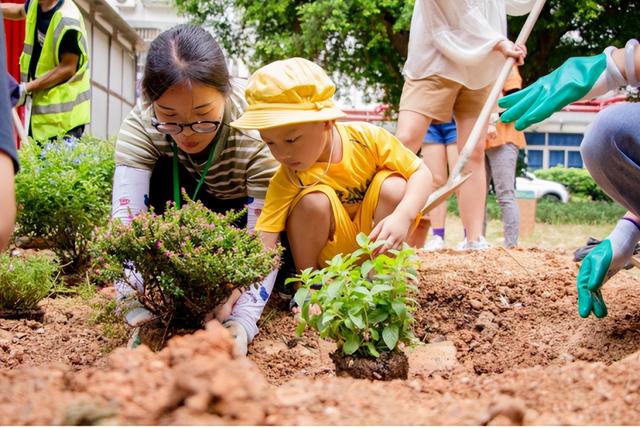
pixel 365 41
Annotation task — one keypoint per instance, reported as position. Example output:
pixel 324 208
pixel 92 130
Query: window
pixel 575 160
pixel 556 158
pixel 565 139
pixel 534 159
pixel 534 138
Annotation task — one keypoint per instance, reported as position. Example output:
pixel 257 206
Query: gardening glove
pixel 605 260
pixel 577 78
pixel 239 335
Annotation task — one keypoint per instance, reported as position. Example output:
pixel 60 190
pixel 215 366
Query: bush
pixel 578 212
pixel 366 309
pixel 25 281
pixel 63 191
pixel 550 212
pixel 190 260
pixel 577 181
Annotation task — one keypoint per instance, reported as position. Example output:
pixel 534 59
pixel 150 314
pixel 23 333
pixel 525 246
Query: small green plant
pixel 25 281
pixel 190 259
pixel 366 307
pixel 63 191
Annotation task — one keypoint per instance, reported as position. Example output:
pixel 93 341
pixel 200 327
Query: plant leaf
pixel 399 308
pixel 351 345
pixel 301 296
pixel 380 288
pixel 390 335
pixel 372 349
pixel 357 320
pixel 301 327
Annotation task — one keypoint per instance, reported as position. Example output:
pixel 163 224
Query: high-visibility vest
pixel 61 108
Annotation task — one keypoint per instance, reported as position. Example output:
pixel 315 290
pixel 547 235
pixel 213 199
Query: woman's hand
pixel 511 50
pixel 223 311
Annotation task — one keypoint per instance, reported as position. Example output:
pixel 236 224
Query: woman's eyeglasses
pixel 203 126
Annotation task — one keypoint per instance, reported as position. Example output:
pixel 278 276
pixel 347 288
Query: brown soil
pixel 387 367
pixel 503 345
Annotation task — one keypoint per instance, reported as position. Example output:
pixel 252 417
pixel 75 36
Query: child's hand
pixel 393 229
pixel 511 50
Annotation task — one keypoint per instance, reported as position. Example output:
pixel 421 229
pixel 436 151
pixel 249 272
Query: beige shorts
pixel 440 98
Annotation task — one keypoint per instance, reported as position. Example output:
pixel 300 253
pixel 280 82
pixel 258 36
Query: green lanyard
pixel 176 179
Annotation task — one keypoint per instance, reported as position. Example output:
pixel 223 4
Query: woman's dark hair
pixel 180 54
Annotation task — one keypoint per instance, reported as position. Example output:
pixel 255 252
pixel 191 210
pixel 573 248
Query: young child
pixel 335 179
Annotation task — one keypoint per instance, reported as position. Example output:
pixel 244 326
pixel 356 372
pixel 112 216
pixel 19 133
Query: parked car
pixel 542 188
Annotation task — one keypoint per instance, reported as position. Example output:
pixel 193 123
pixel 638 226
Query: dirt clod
pixel 389 366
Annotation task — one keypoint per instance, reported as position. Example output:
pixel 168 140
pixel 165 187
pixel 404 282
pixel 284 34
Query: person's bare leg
pixel 434 156
pixel 307 243
pixel 472 193
pixel 411 129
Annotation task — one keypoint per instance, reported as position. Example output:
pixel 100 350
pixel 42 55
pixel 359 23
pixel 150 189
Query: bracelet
pixel 630 62
pixel 634 222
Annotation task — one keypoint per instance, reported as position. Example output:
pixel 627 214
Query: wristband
pixel 630 62
pixel 634 222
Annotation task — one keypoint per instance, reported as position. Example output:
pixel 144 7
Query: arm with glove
pixel 577 78
pixel 603 261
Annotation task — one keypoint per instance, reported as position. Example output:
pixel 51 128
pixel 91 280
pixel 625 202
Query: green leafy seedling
pixel 365 301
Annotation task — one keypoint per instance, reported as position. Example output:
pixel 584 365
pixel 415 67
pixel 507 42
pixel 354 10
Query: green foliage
pixel 106 314
pixel 550 212
pixel 190 259
pixel 363 41
pixel 63 191
pixel 575 212
pixel 366 40
pixel 365 308
pixel 578 181
pixel 25 281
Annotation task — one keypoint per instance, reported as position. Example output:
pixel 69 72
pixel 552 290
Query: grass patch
pixel 25 281
pixel 547 212
pixel 105 315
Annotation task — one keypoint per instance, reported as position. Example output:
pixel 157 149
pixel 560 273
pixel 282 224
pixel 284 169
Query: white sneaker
pixel 436 243
pixel 477 245
pixel 239 335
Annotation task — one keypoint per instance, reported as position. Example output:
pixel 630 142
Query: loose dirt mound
pixel 194 380
pixel 504 345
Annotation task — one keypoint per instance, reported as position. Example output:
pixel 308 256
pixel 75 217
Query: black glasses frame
pixel 156 124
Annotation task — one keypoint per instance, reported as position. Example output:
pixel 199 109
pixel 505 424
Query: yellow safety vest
pixel 61 108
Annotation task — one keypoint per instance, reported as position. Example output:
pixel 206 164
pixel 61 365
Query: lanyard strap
pixel 176 178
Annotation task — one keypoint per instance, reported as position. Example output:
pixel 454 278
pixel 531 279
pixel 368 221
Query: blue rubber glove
pixel 605 260
pixel 577 78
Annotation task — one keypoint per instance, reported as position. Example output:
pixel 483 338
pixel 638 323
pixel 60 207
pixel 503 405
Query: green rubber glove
pixel 605 260
pixel 591 277
pixel 573 80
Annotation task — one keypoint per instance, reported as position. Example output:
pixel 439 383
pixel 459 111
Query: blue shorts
pixel 441 133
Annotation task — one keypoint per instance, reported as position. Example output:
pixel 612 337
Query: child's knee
pixel 313 204
pixel 392 190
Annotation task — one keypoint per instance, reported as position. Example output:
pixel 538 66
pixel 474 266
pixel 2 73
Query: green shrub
pixel 578 181
pixel 25 281
pixel 63 192
pixel 365 308
pixel 190 259
pixel 585 212
pixel 550 212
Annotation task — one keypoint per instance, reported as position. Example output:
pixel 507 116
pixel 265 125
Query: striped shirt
pixel 242 164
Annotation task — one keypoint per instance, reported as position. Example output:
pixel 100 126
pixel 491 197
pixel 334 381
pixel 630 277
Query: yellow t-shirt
pixel 366 149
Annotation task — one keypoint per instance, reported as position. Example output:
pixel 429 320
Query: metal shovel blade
pixel 442 193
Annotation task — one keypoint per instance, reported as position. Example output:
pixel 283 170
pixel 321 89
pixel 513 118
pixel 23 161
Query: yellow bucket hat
pixel 287 92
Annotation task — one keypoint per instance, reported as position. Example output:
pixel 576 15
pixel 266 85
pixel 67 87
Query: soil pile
pixel 194 380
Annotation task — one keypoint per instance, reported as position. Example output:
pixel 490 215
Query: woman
pixel 177 138
pixel 456 49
